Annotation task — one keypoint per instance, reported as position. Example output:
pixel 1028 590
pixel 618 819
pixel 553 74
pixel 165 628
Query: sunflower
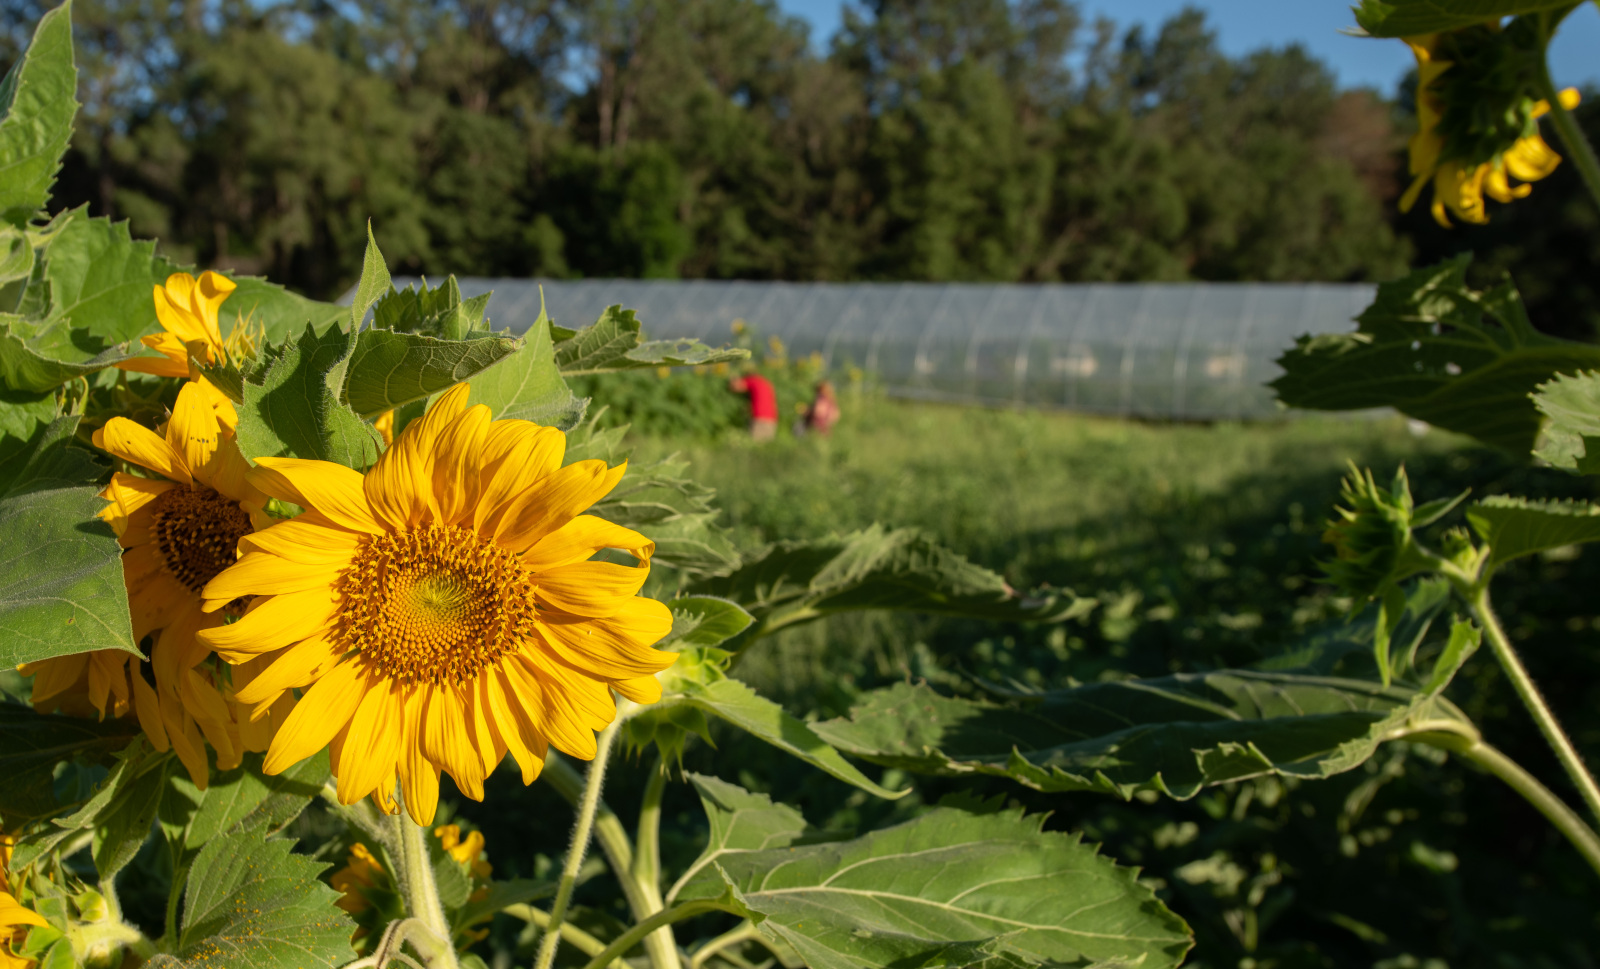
pixel 1459 181
pixel 468 851
pixel 177 532
pixel 187 309
pixel 443 608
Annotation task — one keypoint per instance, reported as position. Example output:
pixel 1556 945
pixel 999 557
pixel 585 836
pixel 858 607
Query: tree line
pixel 932 140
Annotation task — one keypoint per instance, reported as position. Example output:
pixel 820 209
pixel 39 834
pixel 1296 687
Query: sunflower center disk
pixel 434 604
pixel 197 531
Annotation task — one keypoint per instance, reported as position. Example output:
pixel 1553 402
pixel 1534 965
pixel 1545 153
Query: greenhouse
pixel 1188 351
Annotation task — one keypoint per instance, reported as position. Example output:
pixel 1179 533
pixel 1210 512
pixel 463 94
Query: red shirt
pixel 763 399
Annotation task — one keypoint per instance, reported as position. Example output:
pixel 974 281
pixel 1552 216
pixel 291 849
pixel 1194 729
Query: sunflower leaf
pixel 34 745
pixel 1435 350
pixel 901 569
pixel 250 903
pixel 1514 527
pixel 958 886
pixel 615 342
pixel 528 386
pixel 737 704
pixel 704 621
pixel 1571 436
pixel 61 586
pixel 437 312
pixel 1174 734
pixel 37 105
pixel 389 369
pixel 1407 18
pixel 241 798
pixel 291 406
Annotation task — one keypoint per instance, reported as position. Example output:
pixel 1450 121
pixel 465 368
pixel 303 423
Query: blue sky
pixel 1244 25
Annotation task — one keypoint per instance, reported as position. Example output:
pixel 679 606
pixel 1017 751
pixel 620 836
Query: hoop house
pixel 1192 351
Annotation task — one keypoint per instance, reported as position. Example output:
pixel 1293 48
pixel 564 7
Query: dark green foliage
pixel 939 139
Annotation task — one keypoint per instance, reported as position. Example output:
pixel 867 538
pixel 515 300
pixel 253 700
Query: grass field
pixel 1200 544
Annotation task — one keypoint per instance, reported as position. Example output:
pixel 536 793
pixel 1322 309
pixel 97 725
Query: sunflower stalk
pixel 1578 147
pixel 588 806
pixel 422 895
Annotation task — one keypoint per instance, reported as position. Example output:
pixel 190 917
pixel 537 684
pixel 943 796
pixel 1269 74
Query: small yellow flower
pixel 177 532
pixel 1459 185
pixel 384 425
pixel 442 609
pixel 467 851
pixel 187 310
pixel 360 875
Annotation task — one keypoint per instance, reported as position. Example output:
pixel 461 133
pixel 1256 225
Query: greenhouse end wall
pixel 1184 351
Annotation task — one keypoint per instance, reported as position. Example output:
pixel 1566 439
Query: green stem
pixel 638 933
pixel 661 945
pixel 1534 700
pixel 581 831
pixel 422 894
pixel 1552 807
pixel 743 932
pixel 585 943
pixel 1578 147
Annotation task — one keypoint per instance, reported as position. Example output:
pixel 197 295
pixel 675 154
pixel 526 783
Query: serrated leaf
pixel 742 821
pixel 615 342
pixel 900 569
pixel 251 903
pixel 246 797
pixel 1514 527
pixel 291 405
pixel 737 704
pixel 374 283
pixel 279 313
pixel 389 369
pixel 1436 350
pixel 122 828
pixel 528 386
pixel 438 312
pixel 16 261
pixel 23 417
pixel 935 890
pixel 1407 18
pixel 37 104
pixel 1173 734
pixel 660 502
pixel 61 585
pixel 34 743
pixel 704 621
pixel 1571 437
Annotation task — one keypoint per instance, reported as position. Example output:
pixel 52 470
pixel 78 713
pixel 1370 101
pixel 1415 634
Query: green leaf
pixel 1571 437
pixel 23 416
pixel 279 313
pixel 118 813
pixel 1438 351
pixel 668 508
pixel 742 822
pixel 246 797
pixel 902 569
pixel 527 385
pixel 615 342
pixel 943 888
pixel 736 703
pixel 374 283
pixel 1174 734
pixel 1514 527
pixel 704 621
pixel 496 896
pixel 291 405
pixel 61 586
pixel 389 369
pixel 33 744
pixel 1407 18
pixel 37 104
pixel 252 904
pixel 438 312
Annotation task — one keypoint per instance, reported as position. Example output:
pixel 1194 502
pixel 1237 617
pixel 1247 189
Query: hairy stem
pixel 585 943
pixel 422 894
pixel 1534 701
pixel 587 806
pixel 1578 147
pixel 1552 807
pixel 661 945
pixel 638 933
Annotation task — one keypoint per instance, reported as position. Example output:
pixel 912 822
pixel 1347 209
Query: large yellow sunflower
pixel 187 309
pixel 443 608
pixel 1459 187
pixel 177 532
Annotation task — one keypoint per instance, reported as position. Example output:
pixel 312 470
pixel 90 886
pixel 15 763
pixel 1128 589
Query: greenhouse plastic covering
pixel 1188 351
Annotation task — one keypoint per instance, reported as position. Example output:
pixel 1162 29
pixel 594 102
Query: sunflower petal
pixel 299 665
pixel 140 445
pixel 273 622
pixel 325 710
pixel 261 573
pixel 332 489
pixel 580 538
pixel 598 589
pixel 192 432
pixel 553 501
pixel 372 746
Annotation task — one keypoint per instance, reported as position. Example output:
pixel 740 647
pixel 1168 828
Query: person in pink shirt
pixel 763 404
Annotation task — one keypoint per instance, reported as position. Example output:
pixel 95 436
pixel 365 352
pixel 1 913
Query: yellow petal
pixel 147 707
pixel 555 500
pixel 514 454
pixel 260 573
pixel 614 648
pixel 641 689
pixel 596 589
pixel 455 482
pixel 325 710
pixel 419 777
pixel 517 725
pixel 157 366
pixel 273 622
pixel 193 431
pixel 332 489
pixel 580 538
pixel 445 740
pixel 308 539
pixel 372 745
pixel 299 665
pixel 139 445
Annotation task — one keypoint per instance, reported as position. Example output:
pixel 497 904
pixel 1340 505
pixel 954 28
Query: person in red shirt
pixel 763 404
